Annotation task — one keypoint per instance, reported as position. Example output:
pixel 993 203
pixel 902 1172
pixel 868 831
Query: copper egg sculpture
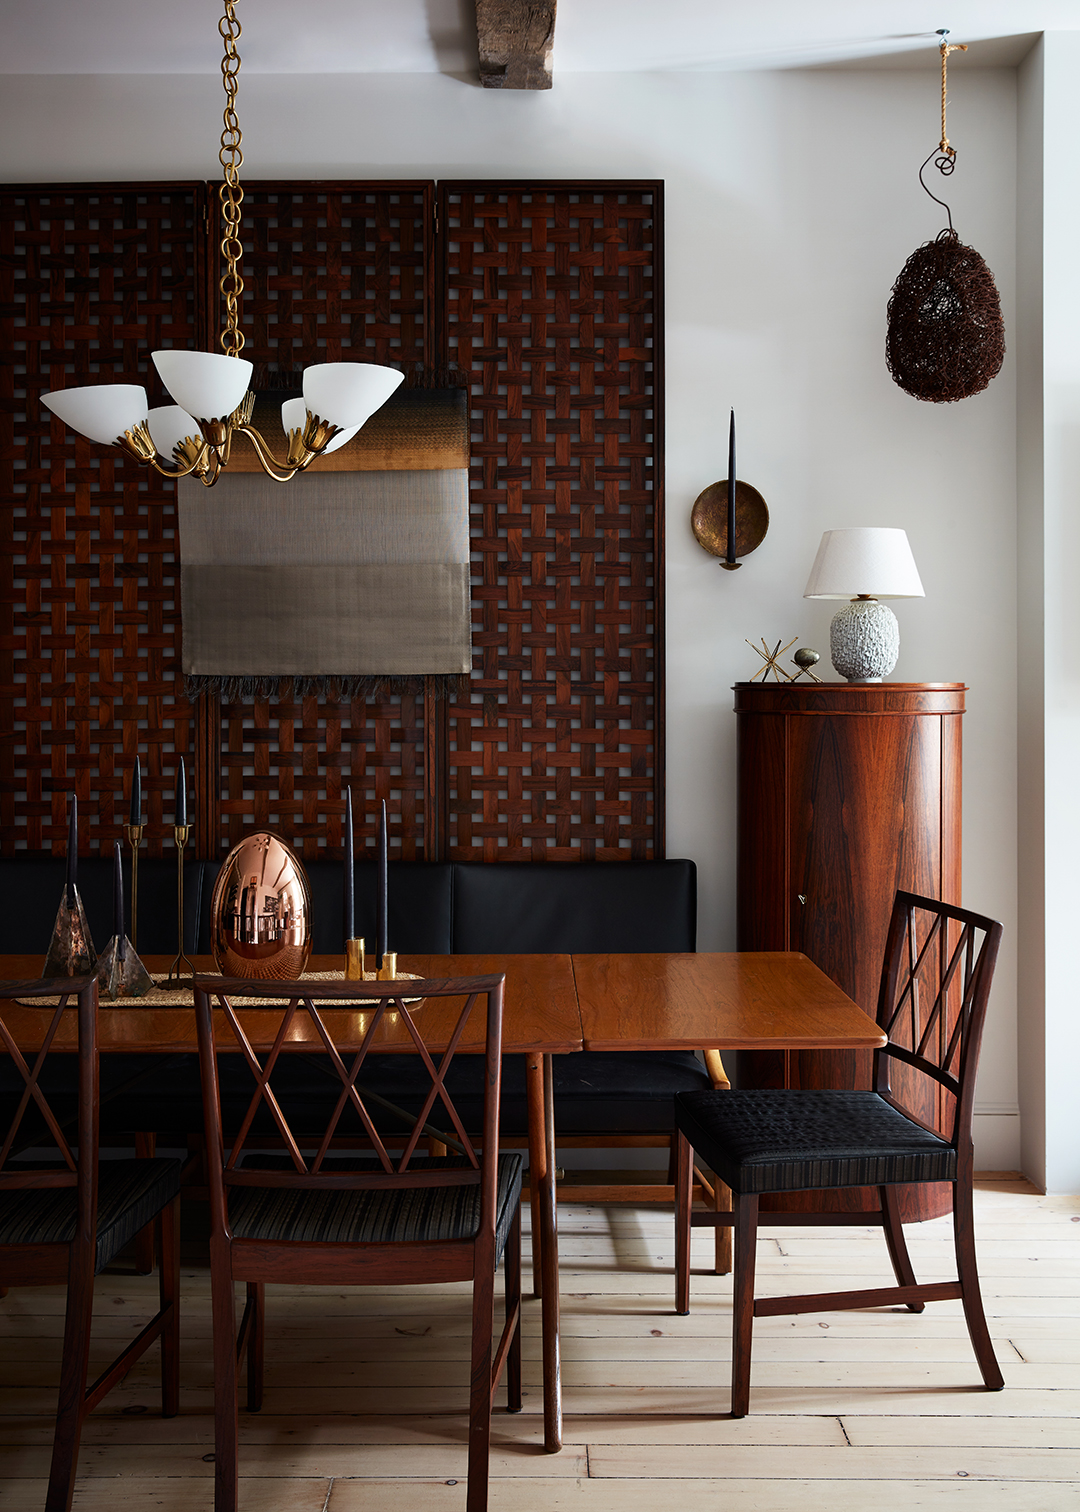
pixel 260 914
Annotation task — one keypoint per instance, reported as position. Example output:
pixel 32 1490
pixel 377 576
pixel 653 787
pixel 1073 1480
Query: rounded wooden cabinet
pixel 847 791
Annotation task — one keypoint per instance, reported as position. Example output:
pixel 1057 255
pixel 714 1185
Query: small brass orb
pixel 805 658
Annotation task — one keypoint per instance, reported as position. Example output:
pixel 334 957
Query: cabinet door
pixel 864 810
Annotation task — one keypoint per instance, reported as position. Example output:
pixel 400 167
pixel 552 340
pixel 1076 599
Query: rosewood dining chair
pixel 935 985
pixel 392 1218
pixel 64 1215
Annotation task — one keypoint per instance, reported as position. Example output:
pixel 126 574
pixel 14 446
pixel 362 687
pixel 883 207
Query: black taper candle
pixel 118 900
pixel 349 916
pixel 135 811
pixel 731 489
pixel 181 796
pixel 72 848
pixel 380 896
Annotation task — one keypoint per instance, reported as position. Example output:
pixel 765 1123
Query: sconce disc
pixel 709 519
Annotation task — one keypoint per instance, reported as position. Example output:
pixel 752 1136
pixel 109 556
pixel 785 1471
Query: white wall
pixel 792 203
pixel 1049 618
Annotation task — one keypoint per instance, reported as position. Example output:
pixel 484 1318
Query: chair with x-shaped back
pixel 388 1218
pixel 64 1216
pixel 935 984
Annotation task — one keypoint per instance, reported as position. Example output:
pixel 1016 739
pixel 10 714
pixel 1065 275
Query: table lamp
pixel 864 564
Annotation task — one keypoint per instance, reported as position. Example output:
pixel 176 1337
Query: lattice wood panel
pixel 337 273
pixel 332 273
pixel 285 765
pixel 91 280
pixel 551 298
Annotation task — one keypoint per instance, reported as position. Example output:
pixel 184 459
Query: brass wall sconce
pixel 730 519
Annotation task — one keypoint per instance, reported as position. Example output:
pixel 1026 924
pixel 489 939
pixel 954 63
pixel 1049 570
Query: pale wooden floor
pixel 868 1410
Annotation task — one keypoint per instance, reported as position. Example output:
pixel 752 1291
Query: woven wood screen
pixel 91 280
pixel 546 298
pixel 332 273
pixel 551 307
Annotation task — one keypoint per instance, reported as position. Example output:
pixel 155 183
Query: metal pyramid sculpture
pixel 71 950
pixel 120 972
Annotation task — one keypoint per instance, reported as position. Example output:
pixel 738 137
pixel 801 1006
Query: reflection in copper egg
pixel 260 914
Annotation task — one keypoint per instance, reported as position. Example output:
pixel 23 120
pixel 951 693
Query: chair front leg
pixel 684 1185
pixel 226 1406
pixel 480 1385
pixel 746 1223
pixel 967 1270
pixel 71 1406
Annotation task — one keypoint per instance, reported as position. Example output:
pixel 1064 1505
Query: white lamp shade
pixel 348 393
pixel 207 384
pixel 294 417
pixel 103 412
pixel 864 560
pixel 168 426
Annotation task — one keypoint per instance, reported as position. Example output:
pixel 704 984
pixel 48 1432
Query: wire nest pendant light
pixel 945 338
pixel 213 401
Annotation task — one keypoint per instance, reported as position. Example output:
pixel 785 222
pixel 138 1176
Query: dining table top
pixel 540 1010
pixel 746 1000
pixel 554 1004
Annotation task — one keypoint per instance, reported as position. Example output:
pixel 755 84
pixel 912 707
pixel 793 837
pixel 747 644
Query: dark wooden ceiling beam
pixel 515 38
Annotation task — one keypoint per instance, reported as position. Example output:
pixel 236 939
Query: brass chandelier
pixel 213 400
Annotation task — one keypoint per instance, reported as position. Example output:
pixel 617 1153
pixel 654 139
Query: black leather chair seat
pixel 774 1140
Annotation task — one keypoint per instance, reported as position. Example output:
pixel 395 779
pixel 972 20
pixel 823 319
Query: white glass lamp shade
pixel 168 426
pixel 207 384
pixel 348 393
pixel 102 412
pixel 867 560
pixel 294 417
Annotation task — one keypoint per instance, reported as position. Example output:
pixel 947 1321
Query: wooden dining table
pixel 554 1005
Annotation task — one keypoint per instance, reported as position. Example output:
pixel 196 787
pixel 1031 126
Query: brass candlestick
pixel 134 833
pixel 174 979
pixel 387 972
pixel 354 959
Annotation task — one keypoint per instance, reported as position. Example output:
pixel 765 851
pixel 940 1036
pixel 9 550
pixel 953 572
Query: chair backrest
pixel 55 1116
pixel 343 1022
pixel 935 986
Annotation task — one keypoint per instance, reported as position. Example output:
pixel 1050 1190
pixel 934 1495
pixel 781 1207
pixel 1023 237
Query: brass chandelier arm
pixel 279 471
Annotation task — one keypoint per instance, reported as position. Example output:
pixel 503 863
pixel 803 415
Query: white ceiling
pixel 591 36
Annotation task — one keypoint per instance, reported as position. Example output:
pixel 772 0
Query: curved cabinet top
pixel 849 698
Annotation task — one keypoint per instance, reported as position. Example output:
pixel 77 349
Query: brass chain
pixel 231 158
pixel 946 49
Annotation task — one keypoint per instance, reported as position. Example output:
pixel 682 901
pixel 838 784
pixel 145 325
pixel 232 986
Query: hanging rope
pixel 946 49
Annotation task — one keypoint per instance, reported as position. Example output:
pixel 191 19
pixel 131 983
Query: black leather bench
pixel 452 908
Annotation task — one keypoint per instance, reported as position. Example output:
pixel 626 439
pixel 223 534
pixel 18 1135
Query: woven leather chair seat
pixel 791 1141
pixel 394 1216
pixel 130 1194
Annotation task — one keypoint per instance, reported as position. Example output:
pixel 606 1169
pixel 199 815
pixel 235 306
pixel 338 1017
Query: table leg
pixel 542 1180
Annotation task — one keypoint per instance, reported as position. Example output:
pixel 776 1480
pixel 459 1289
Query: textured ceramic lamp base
pixel 864 641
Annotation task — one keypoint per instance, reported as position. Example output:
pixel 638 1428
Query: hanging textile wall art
pixel 354 577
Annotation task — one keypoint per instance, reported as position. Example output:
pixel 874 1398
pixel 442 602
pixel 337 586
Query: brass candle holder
pixel 134 833
pixel 387 972
pixel 175 977
pixel 354 959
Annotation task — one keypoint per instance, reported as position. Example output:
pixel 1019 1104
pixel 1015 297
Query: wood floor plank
pixel 746 1462
pixel 366 1387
